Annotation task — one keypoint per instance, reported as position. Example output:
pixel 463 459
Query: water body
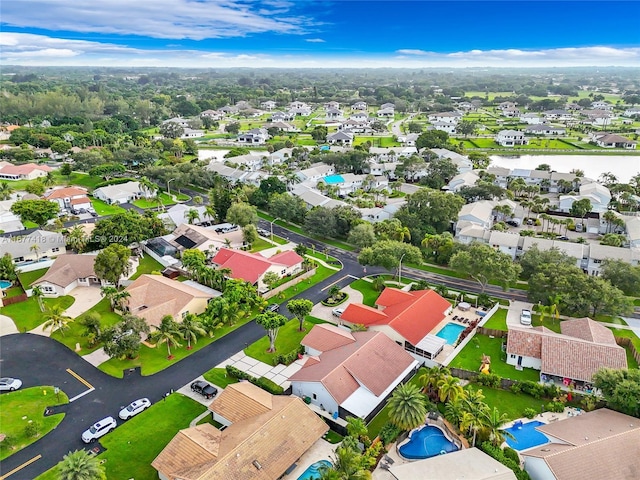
pixel 622 166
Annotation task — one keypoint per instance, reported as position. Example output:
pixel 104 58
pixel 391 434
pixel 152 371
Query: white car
pixel 134 408
pixel 99 429
pixel 337 312
pixel 525 317
pixel 10 384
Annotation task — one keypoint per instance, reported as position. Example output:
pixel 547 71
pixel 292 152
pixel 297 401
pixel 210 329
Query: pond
pixel 622 166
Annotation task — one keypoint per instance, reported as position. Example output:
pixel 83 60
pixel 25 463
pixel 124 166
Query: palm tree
pixel 77 239
pixel 190 328
pixel 407 407
pixel 5 191
pixel 167 332
pixel 35 248
pixel 454 411
pixel 449 389
pixel 402 234
pixel 493 421
pixel 192 215
pixel 473 418
pixel 48 180
pixel 80 465
pixel 56 319
pixel 110 293
pixel 38 293
pixel 609 217
pixel 210 211
pixel 356 427
pixel 119 299
pixel 347 465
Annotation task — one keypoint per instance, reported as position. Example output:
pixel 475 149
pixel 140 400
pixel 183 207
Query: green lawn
pixel 103 208
pixel 152 203
pixel 19 408
pixel 27 314
pixel 498 320
pixel 132 446
pixel 288 339
pixel 619 332
pixel 218 376
pixel 147 264
pixel 325 258
pixel 260 245
pixel 27 278
pixel 470 358
pixel 551 323
pixel 369 294
pixel 508 402
pixel 13 292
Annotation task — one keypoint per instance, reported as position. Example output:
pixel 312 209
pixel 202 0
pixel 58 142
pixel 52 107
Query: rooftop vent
pixel 257 464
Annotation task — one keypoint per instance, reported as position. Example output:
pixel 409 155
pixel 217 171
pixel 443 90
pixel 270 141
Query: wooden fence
pixel 626 342
pixel 12 300
pixel 492 332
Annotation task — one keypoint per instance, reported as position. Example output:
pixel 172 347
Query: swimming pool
pixel 526 435
pixel 450 332
pixel 329 179
pixel 4 284
pixel 426 442
pixel 313 471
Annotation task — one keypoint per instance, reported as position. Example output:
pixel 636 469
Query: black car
pixel 204 389
pixel 272 307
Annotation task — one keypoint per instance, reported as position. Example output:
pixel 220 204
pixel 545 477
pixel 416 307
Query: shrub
pixel 388 433
pixel 261 382
pixel 557 407
pixel 32 429
pixel 489 380
pixel 532 388
pixel 551 391
pixel 530 412
pixel 511 454
pixel 515 388
pixel 289 358
pixel 115 181
pixel 505 459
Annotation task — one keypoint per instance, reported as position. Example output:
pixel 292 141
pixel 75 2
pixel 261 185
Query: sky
pixel 320 34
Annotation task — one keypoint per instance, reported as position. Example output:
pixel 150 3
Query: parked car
pixel 203 388
pixel 263 232
pixel 10 384
pixel 99 429
pixel 134 408
pixel 337 312
pixel 563 238
pixel 525 317
pixel 514 222
pixel 273 307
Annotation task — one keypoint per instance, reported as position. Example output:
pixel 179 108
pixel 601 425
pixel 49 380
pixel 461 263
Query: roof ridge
pixel 597 440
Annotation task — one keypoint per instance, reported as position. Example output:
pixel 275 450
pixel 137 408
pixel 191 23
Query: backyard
pixel 498 320
pixel 508 402
pixel 147 264
pixel 27 315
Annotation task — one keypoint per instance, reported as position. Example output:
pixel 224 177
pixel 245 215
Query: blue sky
pixel 316 33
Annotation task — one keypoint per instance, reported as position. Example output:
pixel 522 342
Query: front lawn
pixel 27 314
pixel 132 446
pixel 288 339
pixel 27 278
pixel 147 264
pixel 260 244
pixel 103 208
pixel 219 377
pixel 498 320
pixel 369 294
pixel 153 203
pixel 470 358
pixel 22 407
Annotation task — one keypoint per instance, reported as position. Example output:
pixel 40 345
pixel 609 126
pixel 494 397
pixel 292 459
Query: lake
pixel 622 166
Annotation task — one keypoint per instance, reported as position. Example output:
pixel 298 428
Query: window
pixel 47 289
pixel 55 249
pixel 513 356
pixel 315 397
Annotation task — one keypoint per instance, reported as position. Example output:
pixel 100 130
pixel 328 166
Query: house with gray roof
pixel 255 136
pixel 510 138
pixel 35 246
pixel 544 130
pixel 340 138
pixel 123 193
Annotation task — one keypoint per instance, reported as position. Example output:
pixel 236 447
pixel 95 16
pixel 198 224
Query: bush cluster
pixel 261 382
pixel 489 380
pixel 557 407
pixel 388 433
pixel 506 459
pixel 115 181
pixel 530 412
pixel 289 358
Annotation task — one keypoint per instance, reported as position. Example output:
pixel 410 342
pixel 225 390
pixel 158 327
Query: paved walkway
pixel 7 326
pixel 97 358
pixel 85 298
pixel 279 374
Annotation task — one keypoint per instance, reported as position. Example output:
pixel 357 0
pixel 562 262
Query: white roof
pixel 119 191
pixel 431 344
pixel 504 239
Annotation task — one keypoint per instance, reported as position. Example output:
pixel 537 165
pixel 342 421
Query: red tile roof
pixel 412 314
pixel 326 337
pixel 288 258
pixel 243 265
pixel 65 192
pixel 587 329
pixel 25 169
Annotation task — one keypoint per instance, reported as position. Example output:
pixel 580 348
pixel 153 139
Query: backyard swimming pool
pixel 450 332
pixel 426 442
pixel 329 179
pixel 4 284
pixel 313 471
pixel 526 435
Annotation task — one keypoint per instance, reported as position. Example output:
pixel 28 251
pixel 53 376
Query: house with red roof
pixel 252 267
pixel 69 197
pixel 28 171
pixel 351 373
pixel 408 318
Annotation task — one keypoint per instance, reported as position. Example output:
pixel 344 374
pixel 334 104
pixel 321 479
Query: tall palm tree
pixel 210 211
pixel 494 420
pixel 349 465
pixel 190 328
pixel 120 299
pixel 5 191
pixel 407 407
pixel 474 416
pixel 449 389
pixel 192 215
pixel 167 332
pixel 453 411
pixel 55 319
pixel 80 465
pixel 39 294
pixel 110 293
pixel 35 248
pixel 402 234
pixel 77 239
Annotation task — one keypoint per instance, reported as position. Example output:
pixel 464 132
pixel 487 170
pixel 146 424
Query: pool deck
pixel 468 315
pixel 321 450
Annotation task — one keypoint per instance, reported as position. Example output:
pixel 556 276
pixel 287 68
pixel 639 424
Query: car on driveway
pixel 99 429
pixel 203 388
pixel 337 312
pixel 10 384
pixel 525 317
pixel 134 408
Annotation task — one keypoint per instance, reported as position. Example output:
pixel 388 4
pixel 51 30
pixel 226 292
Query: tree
pixel 112 263
pixel 36 211
pixel 91 323
pixel 287 207
pixel 348 464
pixel 440 247
pixel 300 308
pixel 5 191
pixel 319 133
pixel 66 170
pixel 439 173
pixel 580 208
pixel 81 465
pixel 270 279
pixel 123 339
pixel 321 221
pixel 494 421
pixel 482 263
pixel 449 389
pixel 271 322
pixel 242 214
pixel 171 130
pixel 232 128
pixel 109 292
pixel 387 254
pixel 613 239
pixel 362 235
pixel 467 127
pixel 622 275
pixel 250 234
pixel 407 407
pixel 190 329
pixel 61 146
pixel 77 239
pixel 167 332
pixel 38 294
pixel 621 389
pixel 8 268
pixel 55 319
pixel 533 259
pixel 432 139
pixel 429 211
pixel 107 170
pixel 192 215
pixel 474 413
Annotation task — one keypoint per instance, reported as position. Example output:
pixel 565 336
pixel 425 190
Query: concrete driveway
pixel 86 297
pixel 7 326
pixel 326 313
pixel 515 308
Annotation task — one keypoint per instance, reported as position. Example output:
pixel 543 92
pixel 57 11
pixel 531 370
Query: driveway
pixel 326 313
pixel 86 297
pixel 515 308
pixel 7 326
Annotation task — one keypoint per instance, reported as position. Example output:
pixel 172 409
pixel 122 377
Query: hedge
pixel 115 181
pixel 498 454
pixel 289 358
pixel 261 382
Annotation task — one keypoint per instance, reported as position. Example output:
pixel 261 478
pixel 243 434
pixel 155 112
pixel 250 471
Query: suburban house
pixel 450 128
pixel 122 193
pixel 282 126
pixel 467 179
pixel 632 224
pixel 9 221
pixel 282 117
pixel 538 129
pixel 599 253
pixel 36 246
pixel 604 140
pixel 351 373
pixel 235 174
pixel 314 198
pixel 597 444
pixel 462 162
pixel 248 162
pixel 69 197
pixel 479 213
pixel 68 272
pixel 314 173
pixel 511 112
pixel 265 437
pixel 205 239
pixel 359 106
pixel 27 171
pixel 568 358
pixel 510 138
pixel 531 119
pixel 333 113
pixel 557 114
pixel 177 215
pixel 601 105
pixel 471 463
pixel 386 112
pixel 268 105
pixel 192 133
pixel 154 296
pixel 408 318
pixel 255 136
pixel 251 267
pixel 597 194
pixel 408 139
pixel 445 117
pixel 340 138
pixel 212 114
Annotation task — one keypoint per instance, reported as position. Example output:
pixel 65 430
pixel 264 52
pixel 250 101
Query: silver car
pixel 10 384
pixel 134 408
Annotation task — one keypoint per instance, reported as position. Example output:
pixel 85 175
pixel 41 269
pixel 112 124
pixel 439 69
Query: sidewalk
pixel 279 374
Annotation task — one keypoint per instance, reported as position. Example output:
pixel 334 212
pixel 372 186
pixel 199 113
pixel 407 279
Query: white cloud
pixel 30 49
pixel 410 51
pixel 315 40
pixel 179 19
